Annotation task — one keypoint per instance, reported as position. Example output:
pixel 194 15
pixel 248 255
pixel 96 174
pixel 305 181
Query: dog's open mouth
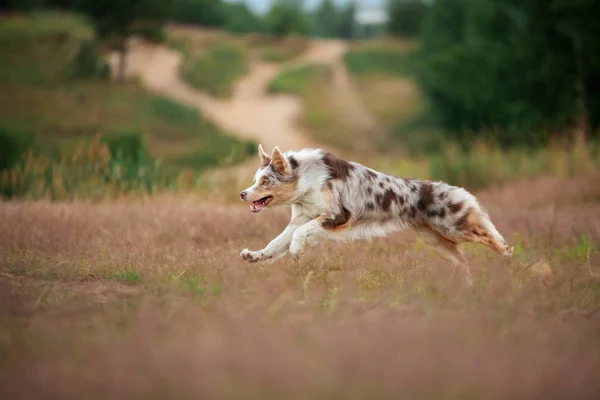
pixel 258 205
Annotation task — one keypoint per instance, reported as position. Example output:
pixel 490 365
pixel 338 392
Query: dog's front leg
pixel 278 246
pixel 303 236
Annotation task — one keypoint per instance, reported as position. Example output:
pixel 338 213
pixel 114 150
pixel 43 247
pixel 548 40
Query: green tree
pixel 200 12
pixel 510 68
pixel 115 20
pixel 405 17
pixel 240 19
pixel 287 17
pixel 326 20
pixel 346 21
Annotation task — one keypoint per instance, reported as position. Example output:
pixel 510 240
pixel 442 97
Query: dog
pixel 332 198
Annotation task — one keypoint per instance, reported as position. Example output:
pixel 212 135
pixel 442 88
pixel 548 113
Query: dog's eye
pixel 265 183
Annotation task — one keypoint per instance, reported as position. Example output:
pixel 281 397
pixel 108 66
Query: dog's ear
pixel 264 157
pixel 279 162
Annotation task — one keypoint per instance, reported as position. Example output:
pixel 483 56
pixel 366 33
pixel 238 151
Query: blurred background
pixel 129 127
pixel 108 98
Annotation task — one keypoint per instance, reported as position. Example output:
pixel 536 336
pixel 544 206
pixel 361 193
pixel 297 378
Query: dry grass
pixel 150 299
pixel 213 60
pixel 383 74
pixel 391 100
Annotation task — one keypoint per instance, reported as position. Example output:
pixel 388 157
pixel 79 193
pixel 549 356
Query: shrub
pixel 388 60
pixel 298 79
pixel 88 62
pixel 217 70
pixel 174 112
pixel 91 170
pixel 128 148
pixel 521 71
pixel 12 147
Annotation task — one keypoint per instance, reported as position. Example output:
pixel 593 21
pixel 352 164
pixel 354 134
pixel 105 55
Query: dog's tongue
pixel 256 206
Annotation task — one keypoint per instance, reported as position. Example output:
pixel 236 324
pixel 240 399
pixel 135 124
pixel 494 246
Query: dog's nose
pixel 243 195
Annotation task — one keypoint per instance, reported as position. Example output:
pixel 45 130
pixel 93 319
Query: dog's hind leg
pixel 447 249
pixel 476 226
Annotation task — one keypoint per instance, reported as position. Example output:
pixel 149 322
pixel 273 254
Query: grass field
pixel 40 97
pixel 278 50
pixel 312 83
pixel 383 73
pixel 144 295
pixel 150 299
pixel 217 70
pixel 213 60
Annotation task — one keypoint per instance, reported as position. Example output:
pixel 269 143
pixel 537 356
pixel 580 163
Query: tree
pixel 240 19
pixel 511 69
pixel 405 17
pixel 286 17
pixel 201 12
pixel 346 21
pixel 115 19
pixel 326 20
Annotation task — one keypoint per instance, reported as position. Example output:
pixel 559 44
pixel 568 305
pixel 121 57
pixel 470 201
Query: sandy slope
pixel 251 112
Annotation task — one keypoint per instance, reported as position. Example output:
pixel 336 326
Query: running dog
pixel 341 200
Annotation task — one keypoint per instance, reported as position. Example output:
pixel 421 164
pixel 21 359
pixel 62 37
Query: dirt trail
pixel 251 112
pixel 344 98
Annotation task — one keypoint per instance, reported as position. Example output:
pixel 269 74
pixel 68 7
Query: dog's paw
pixel 295 256
pixel 508 252
pixel 250 256
pixel 295 250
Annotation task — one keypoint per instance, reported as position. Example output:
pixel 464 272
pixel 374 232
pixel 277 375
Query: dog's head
pixel 274 182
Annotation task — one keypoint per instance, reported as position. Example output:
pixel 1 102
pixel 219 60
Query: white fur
pixel 366 203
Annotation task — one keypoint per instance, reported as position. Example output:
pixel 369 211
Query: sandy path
pixel 344 98
pixel 250 113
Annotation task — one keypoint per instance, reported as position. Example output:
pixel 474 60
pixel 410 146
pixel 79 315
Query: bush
pixel 287 17
pixel 218 151
pixel 91 170
pixel 128 148
pixel 240 19
pixel 298 79
pixel 200 12
pixel 151 32
pixel 511 69
pixel 217 70
pixel 382 59
pixel 174 112
pixel 12 147
pixel 406 17
pixel 484 164
pixel 88 62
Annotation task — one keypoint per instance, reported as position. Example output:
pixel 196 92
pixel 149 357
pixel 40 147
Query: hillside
pixel 42 95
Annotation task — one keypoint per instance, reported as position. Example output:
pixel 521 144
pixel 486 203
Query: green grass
pixel 36 49
pixel 381 58
pixel 282 50
pixel 485 164
pixel 128 275
pixel 40 99
pixel 301 79
pixel 312 83
pixel 217 70
pixel 383 72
